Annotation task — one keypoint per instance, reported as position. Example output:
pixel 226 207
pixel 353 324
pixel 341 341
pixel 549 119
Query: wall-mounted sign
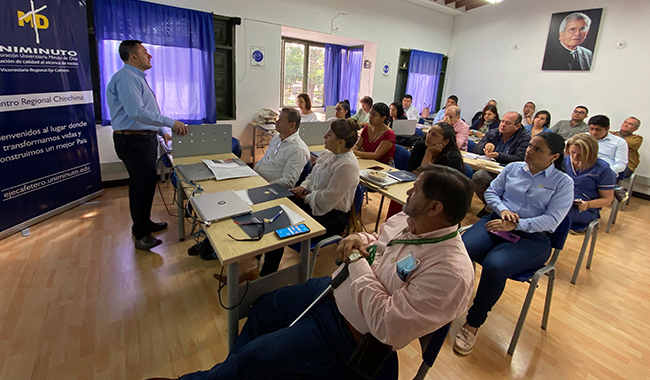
pixel 257 57
pixel 385 70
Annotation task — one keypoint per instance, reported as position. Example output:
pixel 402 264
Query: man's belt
pixel 128 132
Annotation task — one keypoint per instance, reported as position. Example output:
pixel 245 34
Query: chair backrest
pixel 305 173
pixel 401 158
pixel 419 132
pixel 202 140
pixel 358 199
pixel 312 132
pixel 236 147
pixel 431 345
pixel 558 237
pixel 468 171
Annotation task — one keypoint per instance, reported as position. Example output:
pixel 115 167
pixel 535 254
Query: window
pixel 303 71
pixel 402 78
pixel 224 65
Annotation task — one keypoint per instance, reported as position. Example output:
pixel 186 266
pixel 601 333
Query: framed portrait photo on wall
pixel 572 40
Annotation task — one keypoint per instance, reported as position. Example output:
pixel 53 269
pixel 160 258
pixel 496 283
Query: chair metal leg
pixel 422 372
pixel 549 297
pixel 593 244
pixel 612 215
pixel 381 205
pixel 630 189
pixel 582 254
pixel 524 312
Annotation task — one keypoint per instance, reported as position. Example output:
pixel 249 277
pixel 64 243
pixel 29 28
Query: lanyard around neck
pixel 423 241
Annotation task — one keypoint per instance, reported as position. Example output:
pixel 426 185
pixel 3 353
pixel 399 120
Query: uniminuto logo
pixel 36 20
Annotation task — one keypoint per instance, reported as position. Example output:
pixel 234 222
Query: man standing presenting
pixel 629 126
pixel 410 111
pixel 568 128
pixel 136 120
pixel 566 53
pixel 452 116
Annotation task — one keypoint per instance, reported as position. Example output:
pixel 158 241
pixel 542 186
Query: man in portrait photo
pixel 564 51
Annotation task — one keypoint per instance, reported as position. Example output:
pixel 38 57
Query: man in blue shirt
pixel 505 144
pixel 136 121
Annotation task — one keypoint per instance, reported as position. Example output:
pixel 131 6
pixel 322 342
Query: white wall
pixel 484 65
pixel 388 23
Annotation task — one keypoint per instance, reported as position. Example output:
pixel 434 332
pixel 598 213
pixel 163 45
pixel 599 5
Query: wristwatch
pixel 354 256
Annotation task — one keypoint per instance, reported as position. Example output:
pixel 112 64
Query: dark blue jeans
pixel 139 156
pixel 317 347
pixel 500 259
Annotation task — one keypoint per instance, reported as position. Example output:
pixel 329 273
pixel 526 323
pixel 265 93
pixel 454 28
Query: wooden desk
pixel 475 164
pixel 230 252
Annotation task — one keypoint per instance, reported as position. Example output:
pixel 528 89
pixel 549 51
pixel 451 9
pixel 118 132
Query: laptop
pixel 217 206
pixel 196 172
pixel 404 127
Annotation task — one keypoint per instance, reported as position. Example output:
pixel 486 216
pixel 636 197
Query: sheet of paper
pixel 293 216
pixel 243 194
pixel 226 169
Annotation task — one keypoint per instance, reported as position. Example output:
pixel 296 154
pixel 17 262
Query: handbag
pixel 369 356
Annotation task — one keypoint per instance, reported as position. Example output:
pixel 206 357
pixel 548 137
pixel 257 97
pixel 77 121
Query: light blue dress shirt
pixel 132 103
pixel 541 200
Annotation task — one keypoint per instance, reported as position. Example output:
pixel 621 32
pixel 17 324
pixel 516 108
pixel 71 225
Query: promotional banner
pixel 48 145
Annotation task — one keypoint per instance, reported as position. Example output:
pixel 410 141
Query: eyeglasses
pixel 579 112
pixel 260 231
pixel 338 109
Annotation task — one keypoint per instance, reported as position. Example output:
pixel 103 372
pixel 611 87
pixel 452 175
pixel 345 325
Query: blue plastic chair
pixel 558 238
pixel 431 345
pixel 468 171
pixel 236 147
pixel 305 173
pixel 401 158
pixel 419 132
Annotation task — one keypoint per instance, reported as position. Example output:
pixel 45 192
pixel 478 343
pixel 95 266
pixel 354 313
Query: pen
pixel 276 216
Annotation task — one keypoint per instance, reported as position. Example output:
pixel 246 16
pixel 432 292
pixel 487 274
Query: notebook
pixel 196 172
pixel 264 193
pixel 217 206
pixel 404 127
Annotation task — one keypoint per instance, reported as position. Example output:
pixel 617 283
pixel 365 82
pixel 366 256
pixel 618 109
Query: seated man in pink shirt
pixel 452 116
pixel 421 278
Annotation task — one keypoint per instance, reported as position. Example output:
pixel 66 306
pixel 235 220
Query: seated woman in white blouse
pixel 304 103
pixel 327 194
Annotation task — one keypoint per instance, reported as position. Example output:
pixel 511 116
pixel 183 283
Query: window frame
pixel 94 64
pixel 305 68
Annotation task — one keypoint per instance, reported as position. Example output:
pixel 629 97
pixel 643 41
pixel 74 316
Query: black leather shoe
pixel 483 212
pixel 147 242
pixel 156 227
pixel 620 194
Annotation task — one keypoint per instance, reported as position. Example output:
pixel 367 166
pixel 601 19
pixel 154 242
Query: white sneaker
pixel 465 341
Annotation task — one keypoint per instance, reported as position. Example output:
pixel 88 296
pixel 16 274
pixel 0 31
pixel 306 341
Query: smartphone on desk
pixel 292 231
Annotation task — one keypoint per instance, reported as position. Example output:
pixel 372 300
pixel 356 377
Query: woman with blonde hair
pixel 594 180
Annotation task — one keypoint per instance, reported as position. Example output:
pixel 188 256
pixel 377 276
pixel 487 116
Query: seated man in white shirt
pixel 421 278
pixel 286 156
pixel 611 148
pixel 411 112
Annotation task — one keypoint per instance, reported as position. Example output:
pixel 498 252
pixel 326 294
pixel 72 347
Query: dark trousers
pixel 500 259
pixel 317 347
pixel 482 180
pixel 627 173
pixel 581 219
pixel 138 153
pixel 334 222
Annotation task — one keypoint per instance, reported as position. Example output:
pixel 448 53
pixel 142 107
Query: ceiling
pixel 452 7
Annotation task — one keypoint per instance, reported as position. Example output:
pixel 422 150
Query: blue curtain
pixel 351 77
pixel 342 75
pixel 181 42
pixel 423 78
